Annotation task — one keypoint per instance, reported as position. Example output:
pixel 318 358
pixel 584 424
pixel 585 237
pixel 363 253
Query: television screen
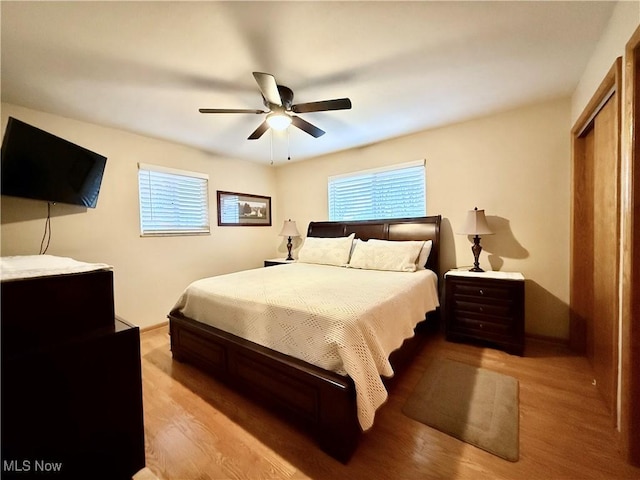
pixel 39 165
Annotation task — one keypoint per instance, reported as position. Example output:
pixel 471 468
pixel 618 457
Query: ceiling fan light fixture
pixel 281 112
pixel 278 121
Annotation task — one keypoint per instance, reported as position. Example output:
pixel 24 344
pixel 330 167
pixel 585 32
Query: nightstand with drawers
pixel 277 261
pixel 485 307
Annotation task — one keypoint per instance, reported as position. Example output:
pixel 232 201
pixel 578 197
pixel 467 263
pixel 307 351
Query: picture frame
pixel 243 210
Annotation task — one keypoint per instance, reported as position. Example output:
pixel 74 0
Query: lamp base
pixel 476 249
pixel 289 245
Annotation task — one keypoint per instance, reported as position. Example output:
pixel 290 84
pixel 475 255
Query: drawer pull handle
pixel 481 292
pixel 480 325
pixel 481 309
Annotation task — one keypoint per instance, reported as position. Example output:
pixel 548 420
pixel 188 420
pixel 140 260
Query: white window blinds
pixel 393 192
pixel 172 202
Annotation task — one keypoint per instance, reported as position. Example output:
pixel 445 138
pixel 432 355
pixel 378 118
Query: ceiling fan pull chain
pixel 288 145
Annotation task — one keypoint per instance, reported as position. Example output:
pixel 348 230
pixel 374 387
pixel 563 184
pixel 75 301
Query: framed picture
pixel 243 209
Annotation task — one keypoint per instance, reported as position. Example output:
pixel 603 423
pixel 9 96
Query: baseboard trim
pixel 547 339
pixel 154 327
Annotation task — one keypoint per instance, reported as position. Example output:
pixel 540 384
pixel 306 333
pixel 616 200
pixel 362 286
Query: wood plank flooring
pixel 197 429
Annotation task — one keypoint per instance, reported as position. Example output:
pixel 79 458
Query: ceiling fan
pixel 279 101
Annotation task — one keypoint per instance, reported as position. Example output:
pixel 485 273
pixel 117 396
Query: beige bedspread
pixel 340 319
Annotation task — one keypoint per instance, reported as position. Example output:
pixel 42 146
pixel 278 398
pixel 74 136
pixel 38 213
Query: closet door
pixel 603 338
pixel 595 236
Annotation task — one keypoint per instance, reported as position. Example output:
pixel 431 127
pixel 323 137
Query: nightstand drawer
pixel 481 291
pixel 487 330
pixel 503 309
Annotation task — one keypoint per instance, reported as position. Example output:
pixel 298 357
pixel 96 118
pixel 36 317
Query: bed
pixel 319 394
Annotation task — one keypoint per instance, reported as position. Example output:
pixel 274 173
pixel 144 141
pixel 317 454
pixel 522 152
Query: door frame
pixel 630 264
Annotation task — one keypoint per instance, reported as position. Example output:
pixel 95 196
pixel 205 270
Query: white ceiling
pixel 147 67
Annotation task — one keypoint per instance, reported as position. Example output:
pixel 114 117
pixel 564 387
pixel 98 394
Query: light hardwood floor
pixel 197 429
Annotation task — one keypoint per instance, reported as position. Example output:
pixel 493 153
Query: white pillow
pixel 326 251
pixel 400 256
pixel 424 255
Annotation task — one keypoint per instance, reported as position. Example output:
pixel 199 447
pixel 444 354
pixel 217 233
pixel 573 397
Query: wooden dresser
pixel 71 381
pixel 485 307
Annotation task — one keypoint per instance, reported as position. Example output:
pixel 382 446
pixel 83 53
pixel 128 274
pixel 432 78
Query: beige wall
pixel 623 22
pixel 150 273
pixel 515 165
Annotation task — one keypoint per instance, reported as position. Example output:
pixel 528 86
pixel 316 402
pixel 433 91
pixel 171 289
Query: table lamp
pixel 289 230
pixel 476 224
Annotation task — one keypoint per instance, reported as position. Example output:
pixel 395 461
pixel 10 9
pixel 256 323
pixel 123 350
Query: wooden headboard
pixel 416 228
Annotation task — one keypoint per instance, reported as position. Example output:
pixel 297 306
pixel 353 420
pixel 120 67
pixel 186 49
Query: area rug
pixel 475 405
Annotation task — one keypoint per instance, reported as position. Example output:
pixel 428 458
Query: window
pixel 390 192
pixel 172 202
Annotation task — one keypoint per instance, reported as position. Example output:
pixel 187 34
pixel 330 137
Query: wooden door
pixel 606 238
pixel 596 237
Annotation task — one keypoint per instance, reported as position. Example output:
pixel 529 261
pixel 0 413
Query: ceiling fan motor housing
pixel 286 97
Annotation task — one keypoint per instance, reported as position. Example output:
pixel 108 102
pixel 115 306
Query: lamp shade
pixel 289 229
pixel 476 224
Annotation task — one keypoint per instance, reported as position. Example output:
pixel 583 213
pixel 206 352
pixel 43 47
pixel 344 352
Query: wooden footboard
pixel 322 401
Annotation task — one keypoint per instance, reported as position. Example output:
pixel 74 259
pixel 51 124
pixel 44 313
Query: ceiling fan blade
pixel 307 127
pixel 337 104
pixel 268 87
pixel 229 110
pixel 258 132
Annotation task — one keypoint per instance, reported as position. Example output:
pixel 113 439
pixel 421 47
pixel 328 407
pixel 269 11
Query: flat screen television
pixel 39 165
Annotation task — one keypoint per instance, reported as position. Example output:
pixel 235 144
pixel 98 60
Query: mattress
pixel 341 319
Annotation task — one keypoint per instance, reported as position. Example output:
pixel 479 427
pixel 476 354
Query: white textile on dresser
pixel 339 319
pixel 30 266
